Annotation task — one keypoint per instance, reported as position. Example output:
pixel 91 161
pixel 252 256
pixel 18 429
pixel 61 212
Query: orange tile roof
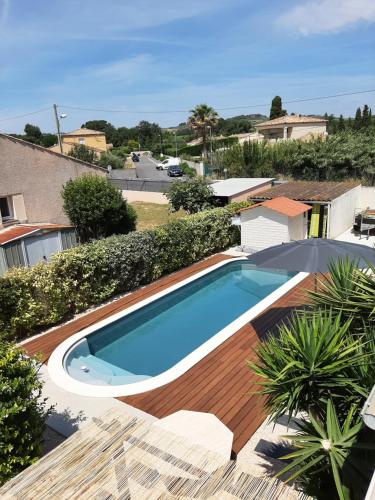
pixel 283 206
pixel 19 230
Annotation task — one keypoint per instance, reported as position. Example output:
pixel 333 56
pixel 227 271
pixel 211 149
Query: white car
pixel 169 162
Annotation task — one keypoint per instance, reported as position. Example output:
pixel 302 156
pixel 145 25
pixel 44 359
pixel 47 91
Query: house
pixel 32 178
pixel 239 189
pixel 272 222
pixel 27 244
pixel 91 139
pixel 292 127
pixel 333 203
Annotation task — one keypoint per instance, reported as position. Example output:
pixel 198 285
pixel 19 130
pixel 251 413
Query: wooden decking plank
pixel 220 383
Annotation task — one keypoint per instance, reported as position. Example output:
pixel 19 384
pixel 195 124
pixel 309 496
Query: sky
pixel 157 59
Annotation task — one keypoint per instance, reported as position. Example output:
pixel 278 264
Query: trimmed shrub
pixel 33 298
pixel 22 412
pixel 96 208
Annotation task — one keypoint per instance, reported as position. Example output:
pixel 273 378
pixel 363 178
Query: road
pixel 146 170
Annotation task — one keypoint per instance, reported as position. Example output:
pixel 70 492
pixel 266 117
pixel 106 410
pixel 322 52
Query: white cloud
pixel 327 16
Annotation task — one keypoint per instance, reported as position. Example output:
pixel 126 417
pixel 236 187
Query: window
pixel 5 209
pixel 81 140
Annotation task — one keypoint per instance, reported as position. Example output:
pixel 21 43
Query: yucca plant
pixel 348 291
pixel 330 454
pixel 313 358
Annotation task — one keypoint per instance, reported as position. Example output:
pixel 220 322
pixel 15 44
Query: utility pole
pixel 58 128
pixel 175 142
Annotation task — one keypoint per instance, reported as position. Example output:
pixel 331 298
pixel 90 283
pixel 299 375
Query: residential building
pixel 25 244
pixel 91 139
pixel 32 178
pixel 292 127
pixel 239 189
pixel 333 203
pixel 272 222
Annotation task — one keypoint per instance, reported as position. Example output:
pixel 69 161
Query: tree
pixel 22 411
pixel 133 145
pixel 202 117
pixel 109 158
pixel 48 140
pixel 106 127
pixel 277 108
pixel 192 195
pixel 148 134
pixel 341 124
pixel 96 208
pixel 366 116
pixel 81 152
pixel 32 133
pixel 357 119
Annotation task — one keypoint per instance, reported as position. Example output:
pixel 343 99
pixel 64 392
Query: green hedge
pixel 34 298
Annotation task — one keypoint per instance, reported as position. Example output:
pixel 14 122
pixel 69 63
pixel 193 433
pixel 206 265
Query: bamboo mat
pixel 118 456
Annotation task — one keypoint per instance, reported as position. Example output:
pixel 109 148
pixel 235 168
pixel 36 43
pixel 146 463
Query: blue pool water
pixel 154 338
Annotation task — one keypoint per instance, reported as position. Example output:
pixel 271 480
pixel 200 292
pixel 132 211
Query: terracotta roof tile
pixel 14 232
pixel 282 205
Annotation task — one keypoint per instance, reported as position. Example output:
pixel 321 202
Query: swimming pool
pixel 155 341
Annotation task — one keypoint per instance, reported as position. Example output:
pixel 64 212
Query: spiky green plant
pixel 332 453
pixel 349 291
pixel 314 357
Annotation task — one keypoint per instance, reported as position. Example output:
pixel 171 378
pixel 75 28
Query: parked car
pixel 169 162
pixel 175 171
pixel 135 157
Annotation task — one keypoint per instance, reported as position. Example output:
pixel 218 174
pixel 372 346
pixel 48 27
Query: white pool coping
pixel 61 378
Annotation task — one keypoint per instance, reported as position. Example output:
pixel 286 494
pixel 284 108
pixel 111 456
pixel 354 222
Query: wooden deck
pixel 221 383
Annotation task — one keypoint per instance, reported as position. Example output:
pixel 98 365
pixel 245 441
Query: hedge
pixel 34 298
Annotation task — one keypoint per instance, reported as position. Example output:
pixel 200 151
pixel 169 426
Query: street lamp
pixel 210 129
pixel 63 115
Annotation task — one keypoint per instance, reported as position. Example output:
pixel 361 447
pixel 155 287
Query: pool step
pixel 92 370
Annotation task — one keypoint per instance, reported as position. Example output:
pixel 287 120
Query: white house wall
pixel 262 228
pixel 342 211
pixel 297 227
pixel 367 197
pixel 301 130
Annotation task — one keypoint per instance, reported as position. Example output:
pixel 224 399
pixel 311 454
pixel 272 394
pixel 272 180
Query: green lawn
pixel 152 214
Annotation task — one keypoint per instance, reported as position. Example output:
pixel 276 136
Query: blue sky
pixel 167 55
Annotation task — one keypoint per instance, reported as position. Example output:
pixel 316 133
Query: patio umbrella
pixel 313 255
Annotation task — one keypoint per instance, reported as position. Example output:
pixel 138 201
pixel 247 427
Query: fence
pixel 150 185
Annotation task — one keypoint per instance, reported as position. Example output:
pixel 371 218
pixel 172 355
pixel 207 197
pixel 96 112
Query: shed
pixel 333 204
pixel 239 189
pixel 273 222
pixel 25 245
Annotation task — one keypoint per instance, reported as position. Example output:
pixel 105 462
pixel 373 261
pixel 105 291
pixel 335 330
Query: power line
pixel 99 110
pixel 26 114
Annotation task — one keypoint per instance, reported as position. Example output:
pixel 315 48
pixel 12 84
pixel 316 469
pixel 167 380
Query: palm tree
pixel 201 119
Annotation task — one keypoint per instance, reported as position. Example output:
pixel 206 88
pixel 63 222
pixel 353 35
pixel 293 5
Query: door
pixel 40 248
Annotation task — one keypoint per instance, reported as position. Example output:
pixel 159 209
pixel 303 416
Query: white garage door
pixel 40 248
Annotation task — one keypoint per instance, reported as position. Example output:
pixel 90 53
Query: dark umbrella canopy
pixel 312 256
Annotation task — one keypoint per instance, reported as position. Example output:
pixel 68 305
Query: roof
pixel 48 150
pixel 283 206
pixel 290 119
pixel 307 191
pixel 83 131
pixel 18 231
pixel 231 187
pixel 119 455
